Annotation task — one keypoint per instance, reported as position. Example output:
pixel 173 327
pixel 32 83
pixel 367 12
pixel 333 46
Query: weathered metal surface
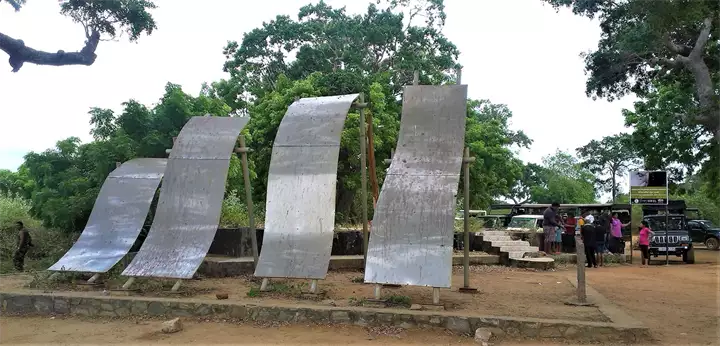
pixel 117 217
pixel 190 201
pixel 412 237
pixel 300 205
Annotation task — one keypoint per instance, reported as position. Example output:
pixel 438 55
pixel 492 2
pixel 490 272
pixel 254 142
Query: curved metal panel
pixel 300 205
pixel 116 218
pixel 190 201
pixel 412 235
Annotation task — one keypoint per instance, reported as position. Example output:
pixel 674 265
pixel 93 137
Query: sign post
pixel 651 187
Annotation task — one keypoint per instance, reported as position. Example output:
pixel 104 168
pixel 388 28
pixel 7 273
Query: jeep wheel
pixel 689 256
pixel 712 243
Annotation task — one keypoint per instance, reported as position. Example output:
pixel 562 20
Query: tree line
pixel 326 51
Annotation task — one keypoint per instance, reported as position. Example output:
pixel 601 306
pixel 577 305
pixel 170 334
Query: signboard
pixel 648 187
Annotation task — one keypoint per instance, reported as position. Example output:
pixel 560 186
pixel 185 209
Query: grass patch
pixel 358 280
pixel 352 301
pixel 398 300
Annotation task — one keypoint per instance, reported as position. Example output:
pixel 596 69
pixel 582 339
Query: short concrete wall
pixel 504 327
pixel 224 267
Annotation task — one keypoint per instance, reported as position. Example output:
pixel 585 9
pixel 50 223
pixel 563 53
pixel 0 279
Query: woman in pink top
pixel 616 233
pixel 644 240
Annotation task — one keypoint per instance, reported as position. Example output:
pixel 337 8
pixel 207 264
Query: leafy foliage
pixel 607 159
pixel 563 179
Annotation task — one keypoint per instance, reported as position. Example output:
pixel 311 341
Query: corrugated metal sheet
pixel 117 217
pixel 190 201
pixel 412 236
pixel 300 206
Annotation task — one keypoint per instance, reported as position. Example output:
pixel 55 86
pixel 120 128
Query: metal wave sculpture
pixel 412 235
pixel 190 201
pixel 116 218
pixel 300 206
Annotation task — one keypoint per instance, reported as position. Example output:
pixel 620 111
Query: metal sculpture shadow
pixel 116 218
pixel 300 206
pixel 412 237
pixel 190 201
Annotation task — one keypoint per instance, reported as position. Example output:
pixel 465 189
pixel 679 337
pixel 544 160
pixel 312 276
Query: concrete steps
pixel 502 243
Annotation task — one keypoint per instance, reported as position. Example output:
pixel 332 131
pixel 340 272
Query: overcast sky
pixel 520 53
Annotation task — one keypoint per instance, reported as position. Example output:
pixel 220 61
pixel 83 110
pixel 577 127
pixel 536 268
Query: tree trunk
pixel 614 187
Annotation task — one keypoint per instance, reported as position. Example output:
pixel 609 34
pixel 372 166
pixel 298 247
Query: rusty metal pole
pixel 248 198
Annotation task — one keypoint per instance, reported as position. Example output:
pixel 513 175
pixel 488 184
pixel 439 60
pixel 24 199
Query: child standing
pixel 644 240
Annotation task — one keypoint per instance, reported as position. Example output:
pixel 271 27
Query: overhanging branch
pixel 20 53
pixel 697 51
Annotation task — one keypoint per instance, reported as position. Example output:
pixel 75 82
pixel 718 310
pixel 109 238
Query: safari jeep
pixel 677 241
pixel 526 227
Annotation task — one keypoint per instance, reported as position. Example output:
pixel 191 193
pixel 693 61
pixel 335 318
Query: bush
pixel 50 245
pixel 234 212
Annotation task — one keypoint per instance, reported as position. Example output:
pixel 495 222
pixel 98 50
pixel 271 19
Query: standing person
pixel 644 240
pixel 24 244
pixel 616 233
pixel 558 234
pixel 549 226
pixel 602 229
pixel 588 236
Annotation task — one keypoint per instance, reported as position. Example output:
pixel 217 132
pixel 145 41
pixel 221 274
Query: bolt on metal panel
pixel 190 201
pixel 412 235
pixel 116 218
pixel 300 205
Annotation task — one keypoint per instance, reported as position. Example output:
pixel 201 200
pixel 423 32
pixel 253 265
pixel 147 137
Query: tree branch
pixel 20 53
pixel 697 51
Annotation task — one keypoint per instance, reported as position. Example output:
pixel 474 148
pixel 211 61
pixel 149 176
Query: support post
pixel 458 75
pixel 176 286
pixel 377 291
pixel 314 286
pixel 249 201
pixel 436 296
pixel 264 285
pixel 117 164
pixel 466 220
pixel 580 263
pixel 667 220
pixel 416 77
pixel 363 177
pixel 128 283
pixel 93 278
pixel 371 159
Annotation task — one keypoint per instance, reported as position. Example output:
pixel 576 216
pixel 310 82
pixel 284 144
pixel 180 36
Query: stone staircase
pixel 512 252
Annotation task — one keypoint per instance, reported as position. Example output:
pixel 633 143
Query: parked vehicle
pixel 673 242
pixel 703 231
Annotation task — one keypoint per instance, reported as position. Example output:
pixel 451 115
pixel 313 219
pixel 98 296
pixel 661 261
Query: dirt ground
pixel 680 304
pixel 502 292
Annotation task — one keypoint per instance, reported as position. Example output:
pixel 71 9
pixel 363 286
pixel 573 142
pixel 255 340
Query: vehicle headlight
pixel 684 238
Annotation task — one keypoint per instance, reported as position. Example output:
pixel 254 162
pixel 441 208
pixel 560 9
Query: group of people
pixel 600 235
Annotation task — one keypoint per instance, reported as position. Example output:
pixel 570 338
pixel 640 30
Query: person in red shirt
pixel 644 240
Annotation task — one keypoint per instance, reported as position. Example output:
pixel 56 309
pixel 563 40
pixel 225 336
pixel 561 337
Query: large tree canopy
pixel 642 41
pixel 101 19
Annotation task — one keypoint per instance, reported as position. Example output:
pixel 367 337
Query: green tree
pixel 532 177
pixel 497 169
pixel 341 46
pixel 101 19
pixel 564 180
pixel 607 159
pixel 674 39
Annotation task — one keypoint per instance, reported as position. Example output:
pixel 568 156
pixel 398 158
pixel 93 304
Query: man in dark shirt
pixel 602 230
pixel 550 225
pixel 24 244
pixel 588 236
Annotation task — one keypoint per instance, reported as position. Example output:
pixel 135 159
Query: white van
pixel 526 223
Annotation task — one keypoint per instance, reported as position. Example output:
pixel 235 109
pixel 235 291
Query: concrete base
pixel 214 266
pixel 26 303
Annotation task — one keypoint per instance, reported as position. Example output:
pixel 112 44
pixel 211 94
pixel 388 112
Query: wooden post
pixel 371 159
pixel 249 201
pixel 363 176
pixel 458 76
pixel 416 77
